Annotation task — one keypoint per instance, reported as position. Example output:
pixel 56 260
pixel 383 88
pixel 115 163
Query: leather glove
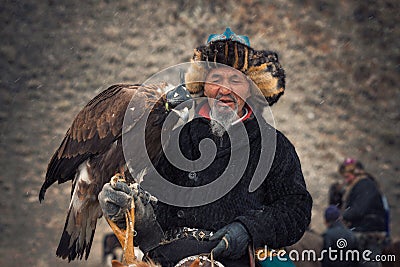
pixel 234 240
pixel 116 198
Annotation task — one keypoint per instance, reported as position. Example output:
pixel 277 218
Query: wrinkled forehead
pixel 225 71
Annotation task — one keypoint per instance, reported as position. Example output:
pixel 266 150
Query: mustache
pixel 219 96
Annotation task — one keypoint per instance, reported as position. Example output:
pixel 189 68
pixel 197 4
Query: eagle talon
pixel 125 237
pixel 146 196
pixel 118 177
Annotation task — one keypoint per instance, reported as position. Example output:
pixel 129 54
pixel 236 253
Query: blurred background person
pixel 338 237
pixel 365 209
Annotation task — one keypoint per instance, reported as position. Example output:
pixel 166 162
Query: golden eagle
pixel 92 152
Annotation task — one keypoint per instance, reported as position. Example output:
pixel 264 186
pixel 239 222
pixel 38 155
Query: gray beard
pixel 222 121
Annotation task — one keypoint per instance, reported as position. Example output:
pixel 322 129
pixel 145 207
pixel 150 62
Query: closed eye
pixel 236 81
pixel 215 80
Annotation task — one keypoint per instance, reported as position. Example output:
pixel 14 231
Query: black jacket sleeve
pixel 361 198
pixel 287 210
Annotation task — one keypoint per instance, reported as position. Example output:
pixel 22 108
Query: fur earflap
pixel 195 76
pixel 267 73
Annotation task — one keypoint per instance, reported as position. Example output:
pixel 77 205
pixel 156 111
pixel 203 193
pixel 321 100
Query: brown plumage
pixel 91 153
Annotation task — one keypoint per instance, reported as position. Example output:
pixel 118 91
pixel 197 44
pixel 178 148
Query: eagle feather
pixel 91 153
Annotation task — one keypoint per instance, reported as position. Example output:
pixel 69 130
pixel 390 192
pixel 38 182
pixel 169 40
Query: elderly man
pixel 275 214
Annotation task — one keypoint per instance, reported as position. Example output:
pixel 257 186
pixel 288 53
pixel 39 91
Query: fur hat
pixel 351 165
pixel 261 66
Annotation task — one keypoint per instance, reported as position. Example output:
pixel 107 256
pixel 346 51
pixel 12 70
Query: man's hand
pixel 116 198
pixel 114 201
pixel 234 240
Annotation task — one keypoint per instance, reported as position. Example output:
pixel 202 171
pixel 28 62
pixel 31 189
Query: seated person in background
pixel 364 209
pixel 337 237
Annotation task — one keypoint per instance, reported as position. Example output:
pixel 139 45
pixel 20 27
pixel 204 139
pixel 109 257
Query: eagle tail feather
pixel 80 225
pixel 76 240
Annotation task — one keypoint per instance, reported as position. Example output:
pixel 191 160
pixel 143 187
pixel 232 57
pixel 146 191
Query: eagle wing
pixel 90 153
pixel 92 132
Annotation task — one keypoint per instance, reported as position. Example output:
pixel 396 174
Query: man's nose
pixel 224 88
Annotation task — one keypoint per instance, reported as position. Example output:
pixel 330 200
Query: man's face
pixel 227 89
pixel 349 177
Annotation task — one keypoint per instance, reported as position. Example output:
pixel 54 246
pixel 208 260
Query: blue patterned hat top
pixel 229 35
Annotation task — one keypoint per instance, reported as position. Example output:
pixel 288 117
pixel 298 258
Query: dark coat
pixel 364 209
pixel 276 214
pixel 335 232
